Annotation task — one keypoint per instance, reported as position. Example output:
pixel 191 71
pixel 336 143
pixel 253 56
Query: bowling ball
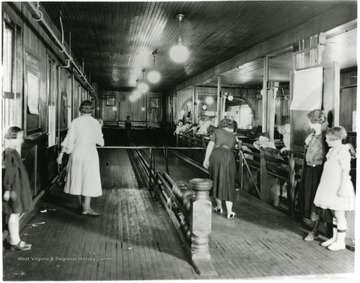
pixel 186 193
pixel 178 188
pixel 187 205
pixel 185 227
pixel 188 234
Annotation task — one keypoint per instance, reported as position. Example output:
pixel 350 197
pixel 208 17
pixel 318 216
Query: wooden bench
pixel 267 169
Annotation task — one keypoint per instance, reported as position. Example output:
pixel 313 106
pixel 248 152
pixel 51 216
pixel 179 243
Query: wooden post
pixel 265 94
pixel 292 184
pixel 196 106
pixel 218 101
pixel 271 108
pixel 331 99
pixel 222 113
pixel 201 226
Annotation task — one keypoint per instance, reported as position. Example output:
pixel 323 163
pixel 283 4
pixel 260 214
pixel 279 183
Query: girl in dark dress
pixel 220 160
pixel 17 197
pixel 313 167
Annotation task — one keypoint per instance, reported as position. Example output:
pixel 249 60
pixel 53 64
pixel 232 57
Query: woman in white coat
pixel 83 173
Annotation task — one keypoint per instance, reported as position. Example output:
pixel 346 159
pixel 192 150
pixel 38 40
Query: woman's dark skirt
pixel 310 181
pixel 222 171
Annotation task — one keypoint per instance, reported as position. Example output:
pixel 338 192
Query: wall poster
pixel 307 89
pixel 110 100
pixel 32 94
pixel 154 103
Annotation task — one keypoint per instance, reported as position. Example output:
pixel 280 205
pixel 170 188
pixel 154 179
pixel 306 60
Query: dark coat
pixel 16 180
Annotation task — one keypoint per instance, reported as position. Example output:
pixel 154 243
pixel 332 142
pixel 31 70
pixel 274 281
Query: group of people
pixel 205 127
pixel 326 182
pixel 83 170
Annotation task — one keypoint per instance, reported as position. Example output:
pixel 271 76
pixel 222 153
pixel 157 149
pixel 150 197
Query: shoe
pixel 21 246
pixel 328 242
pixel 336 246
pixel 91 212
pixel 218 209
pixel 311 237
pixel 231 215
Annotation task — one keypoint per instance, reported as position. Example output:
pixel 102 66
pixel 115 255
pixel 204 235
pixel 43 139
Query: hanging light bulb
pixel 154 76
pixel 179 53
pixel 135 95
pixel 230 97
pixel 143 87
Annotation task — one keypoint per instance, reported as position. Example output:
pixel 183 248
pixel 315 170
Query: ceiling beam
pixel 339 16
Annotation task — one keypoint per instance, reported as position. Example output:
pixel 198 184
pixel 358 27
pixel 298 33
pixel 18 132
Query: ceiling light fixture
pixel 143 87
pixel 209 100
pixel 154 76
pixel 135 95
pixel 179 53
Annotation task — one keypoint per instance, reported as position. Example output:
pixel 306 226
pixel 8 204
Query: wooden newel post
pixel 201 225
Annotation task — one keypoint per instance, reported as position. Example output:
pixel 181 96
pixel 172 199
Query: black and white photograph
pixel 179 140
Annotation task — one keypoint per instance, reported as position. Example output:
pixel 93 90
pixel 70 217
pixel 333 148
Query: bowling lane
pixel 262 242
pixel 133 238
pixel 179 170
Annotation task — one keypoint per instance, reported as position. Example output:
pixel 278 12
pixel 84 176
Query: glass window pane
pixel 7 58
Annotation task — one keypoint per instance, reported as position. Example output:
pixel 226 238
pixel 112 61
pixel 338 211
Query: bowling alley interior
pixel 179 140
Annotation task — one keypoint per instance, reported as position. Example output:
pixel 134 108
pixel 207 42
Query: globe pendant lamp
pixel 179 53
pixel 136 94
pixel 154 76
pixel 143 87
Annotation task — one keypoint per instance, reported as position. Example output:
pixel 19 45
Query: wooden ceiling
pixel 116 39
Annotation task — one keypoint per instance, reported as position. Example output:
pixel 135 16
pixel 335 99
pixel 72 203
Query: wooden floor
pixel 134 239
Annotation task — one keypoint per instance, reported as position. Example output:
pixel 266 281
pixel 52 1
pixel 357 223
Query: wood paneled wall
pixel 37 54
pixel 141 110
pixel 348 99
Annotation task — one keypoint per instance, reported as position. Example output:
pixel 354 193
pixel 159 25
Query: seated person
pixel 204 125
pixel 269 147
pixel 263 141
pixel 187 127
pixel 194 128
pixel 180 128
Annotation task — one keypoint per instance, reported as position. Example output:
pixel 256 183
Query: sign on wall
pixel 32 93
pixel 308 87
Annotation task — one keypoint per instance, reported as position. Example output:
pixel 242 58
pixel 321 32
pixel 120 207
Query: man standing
pixel 128 127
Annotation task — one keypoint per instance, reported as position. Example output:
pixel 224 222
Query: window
pixel 242 114
pixel 8 98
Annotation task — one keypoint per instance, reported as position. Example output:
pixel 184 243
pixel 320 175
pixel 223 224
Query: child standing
pixel 336 191
pixel 17 196
pixel 313 167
